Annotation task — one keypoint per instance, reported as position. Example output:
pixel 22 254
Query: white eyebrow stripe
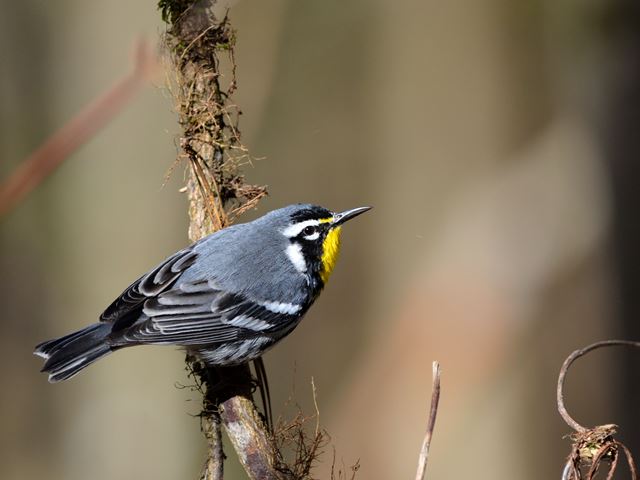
pixel 294 252
pixel 293 230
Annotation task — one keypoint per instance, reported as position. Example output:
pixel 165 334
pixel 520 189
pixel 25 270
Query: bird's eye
pixel 308 231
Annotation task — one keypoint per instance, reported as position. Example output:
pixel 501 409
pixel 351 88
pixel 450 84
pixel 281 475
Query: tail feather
pixel 66 356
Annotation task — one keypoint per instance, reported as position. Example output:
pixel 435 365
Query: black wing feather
pixel 126 309
pixel 158 308
pixel 195 314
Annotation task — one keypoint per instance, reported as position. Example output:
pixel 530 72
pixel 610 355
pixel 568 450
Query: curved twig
pixel 591 446
pixel 630 461
pixel 563 373
pixel 570 471
pixel 612 449
pixel 606 449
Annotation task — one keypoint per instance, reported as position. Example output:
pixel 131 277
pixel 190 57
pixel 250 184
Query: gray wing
pixel 126 309
pixel 202 313
pixel 180 302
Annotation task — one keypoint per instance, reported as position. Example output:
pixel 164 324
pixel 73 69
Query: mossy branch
pixel 200 50
pixel 199 47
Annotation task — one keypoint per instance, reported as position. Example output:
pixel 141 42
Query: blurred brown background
pixel 498 142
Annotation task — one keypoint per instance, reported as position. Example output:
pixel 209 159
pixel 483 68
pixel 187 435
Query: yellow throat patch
pixel 330 251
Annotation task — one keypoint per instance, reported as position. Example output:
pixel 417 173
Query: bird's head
pixel 313 235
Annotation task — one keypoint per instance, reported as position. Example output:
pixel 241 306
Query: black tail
pixel 66 356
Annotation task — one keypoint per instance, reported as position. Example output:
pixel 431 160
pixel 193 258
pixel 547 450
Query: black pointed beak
pixel 340 218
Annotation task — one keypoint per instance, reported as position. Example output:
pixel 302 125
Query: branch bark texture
pixel 200 50
pixel 250 439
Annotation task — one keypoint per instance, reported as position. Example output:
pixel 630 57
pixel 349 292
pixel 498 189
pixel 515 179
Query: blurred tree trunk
pixel 622 148
pixel 24 121
pixel 69 248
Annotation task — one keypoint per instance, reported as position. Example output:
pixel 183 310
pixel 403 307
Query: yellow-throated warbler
pixel 227 298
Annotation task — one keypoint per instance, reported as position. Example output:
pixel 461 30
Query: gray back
pixel 250 259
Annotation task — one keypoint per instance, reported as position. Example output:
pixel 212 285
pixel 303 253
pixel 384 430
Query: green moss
pixel 172 9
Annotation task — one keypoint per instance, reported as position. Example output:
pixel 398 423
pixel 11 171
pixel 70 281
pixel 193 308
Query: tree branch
pixel 213 468
pixel 249 437
pixel 198 45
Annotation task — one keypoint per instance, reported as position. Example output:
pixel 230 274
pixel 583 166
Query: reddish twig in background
pixel 37 166
pixel 433 412
pixel 591 446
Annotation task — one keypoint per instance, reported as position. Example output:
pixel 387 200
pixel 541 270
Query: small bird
pixel 226 299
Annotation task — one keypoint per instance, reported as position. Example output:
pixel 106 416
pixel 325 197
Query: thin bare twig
pixel 297 448
pixel 44 160
pixel 433 412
